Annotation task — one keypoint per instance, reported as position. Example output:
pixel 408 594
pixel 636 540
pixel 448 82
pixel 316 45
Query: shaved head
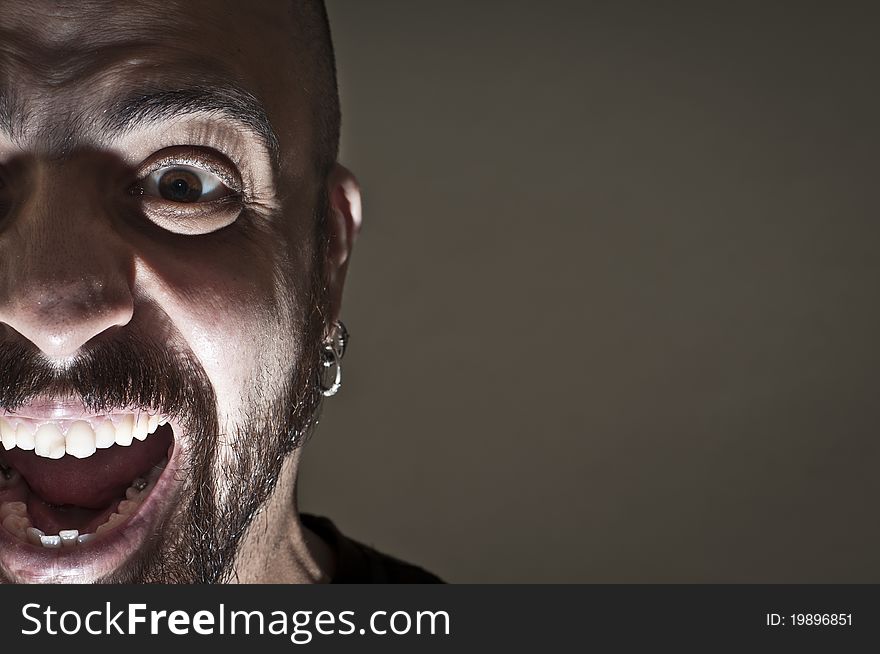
pixel 312 32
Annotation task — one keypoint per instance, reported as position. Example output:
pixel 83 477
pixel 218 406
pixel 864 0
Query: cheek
pixel 223 297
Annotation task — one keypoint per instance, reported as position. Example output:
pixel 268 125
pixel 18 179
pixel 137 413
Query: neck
pixel 277 548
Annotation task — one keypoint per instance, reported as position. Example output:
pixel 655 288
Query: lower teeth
pixel 16 521
pixel 50 542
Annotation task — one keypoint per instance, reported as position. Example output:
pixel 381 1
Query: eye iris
pixel 180 185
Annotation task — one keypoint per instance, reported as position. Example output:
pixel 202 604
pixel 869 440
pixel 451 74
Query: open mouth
pixel 80 493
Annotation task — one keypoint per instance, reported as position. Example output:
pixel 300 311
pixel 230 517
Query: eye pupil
pixel 179 185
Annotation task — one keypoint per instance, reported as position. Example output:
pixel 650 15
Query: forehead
pixel 63 63
pixel 59 42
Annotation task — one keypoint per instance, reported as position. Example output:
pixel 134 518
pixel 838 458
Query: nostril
pixel 60 322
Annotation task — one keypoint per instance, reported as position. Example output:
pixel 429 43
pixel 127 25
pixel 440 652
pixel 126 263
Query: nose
pixel 64 272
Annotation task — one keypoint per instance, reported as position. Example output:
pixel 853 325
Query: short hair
pixel 312 31
pixel 316 45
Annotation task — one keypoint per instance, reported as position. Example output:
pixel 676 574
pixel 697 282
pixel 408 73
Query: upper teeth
pixel 80 438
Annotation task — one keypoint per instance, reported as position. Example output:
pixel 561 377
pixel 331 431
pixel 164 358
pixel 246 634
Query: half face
pixel 162 293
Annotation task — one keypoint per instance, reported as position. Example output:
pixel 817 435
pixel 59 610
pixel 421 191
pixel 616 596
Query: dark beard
pixel 210 538
pixel 198 542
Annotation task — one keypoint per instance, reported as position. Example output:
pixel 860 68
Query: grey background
pixel 614 306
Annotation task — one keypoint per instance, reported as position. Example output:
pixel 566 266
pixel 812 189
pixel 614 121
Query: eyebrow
pixel 226 100
pixel 10 113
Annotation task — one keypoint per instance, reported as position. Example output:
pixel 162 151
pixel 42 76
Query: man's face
pixel 163 287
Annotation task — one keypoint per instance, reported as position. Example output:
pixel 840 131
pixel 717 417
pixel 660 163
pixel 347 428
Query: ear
pixel 343 223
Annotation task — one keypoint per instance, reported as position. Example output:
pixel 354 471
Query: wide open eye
pixel 189 190
pixel 182 183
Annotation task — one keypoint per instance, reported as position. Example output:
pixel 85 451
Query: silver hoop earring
pixel 331 356
pixel 340 338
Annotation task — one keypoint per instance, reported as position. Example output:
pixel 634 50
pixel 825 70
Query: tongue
pixel 52 519
pixel 95 481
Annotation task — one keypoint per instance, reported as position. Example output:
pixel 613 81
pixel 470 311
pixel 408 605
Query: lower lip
pixel 26 563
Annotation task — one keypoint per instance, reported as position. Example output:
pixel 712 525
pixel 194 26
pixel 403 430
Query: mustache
pixel 131 370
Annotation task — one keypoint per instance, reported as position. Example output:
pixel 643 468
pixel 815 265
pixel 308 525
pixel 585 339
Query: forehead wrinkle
pixel 74 72
pixel 126 88
pixel 78 24
pixel 49 54
pixel 49 95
